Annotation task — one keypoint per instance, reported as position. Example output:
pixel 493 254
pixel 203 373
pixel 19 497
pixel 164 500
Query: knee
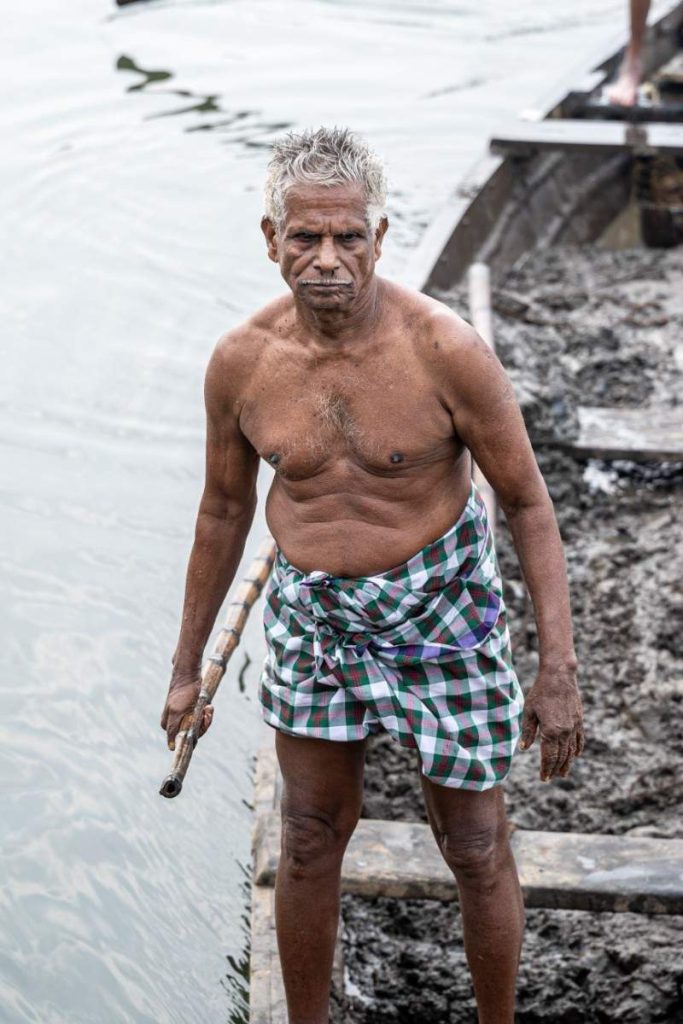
pixel 477 856
pixel 312 844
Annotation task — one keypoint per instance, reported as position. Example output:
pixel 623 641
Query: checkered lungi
pixel 422 650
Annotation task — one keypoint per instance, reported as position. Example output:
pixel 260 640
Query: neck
pixel 334 325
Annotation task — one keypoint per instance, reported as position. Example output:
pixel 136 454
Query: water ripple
pixel 136 140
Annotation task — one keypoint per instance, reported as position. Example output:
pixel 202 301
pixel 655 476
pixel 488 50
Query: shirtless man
pixel 385 606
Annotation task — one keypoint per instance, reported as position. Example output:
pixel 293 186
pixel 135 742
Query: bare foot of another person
pixel 625 90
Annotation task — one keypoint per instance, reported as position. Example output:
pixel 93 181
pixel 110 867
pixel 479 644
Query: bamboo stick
pixel 479 282
pixel 215 665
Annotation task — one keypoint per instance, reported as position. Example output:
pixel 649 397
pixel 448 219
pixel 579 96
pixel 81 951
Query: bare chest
pixel 380 416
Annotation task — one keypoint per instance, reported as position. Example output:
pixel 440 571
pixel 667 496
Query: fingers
pixel 529 728
pixel 565 765
pixel 580 741
pixel 174 720
pixel 557 754
pixel 576 746
pixel 207 718
pixel 550 756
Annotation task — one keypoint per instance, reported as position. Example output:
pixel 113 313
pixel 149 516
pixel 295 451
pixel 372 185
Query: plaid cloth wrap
pixel 422 650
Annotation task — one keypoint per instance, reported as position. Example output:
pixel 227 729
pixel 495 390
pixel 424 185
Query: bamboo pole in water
pixel 479 282
pixel 214 667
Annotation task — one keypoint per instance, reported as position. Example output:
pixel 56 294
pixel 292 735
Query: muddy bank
pixel 593 328
pixel 405 964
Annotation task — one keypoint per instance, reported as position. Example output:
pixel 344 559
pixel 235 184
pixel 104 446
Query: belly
pixel 357 527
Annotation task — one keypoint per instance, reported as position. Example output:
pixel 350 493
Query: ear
pixel 380 232
pixel 268 229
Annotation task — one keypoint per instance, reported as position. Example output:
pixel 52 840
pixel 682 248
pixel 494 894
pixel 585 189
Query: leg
pixel 321 804
pixel 472 833
pixel 625 89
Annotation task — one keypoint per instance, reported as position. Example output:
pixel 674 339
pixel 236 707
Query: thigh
pixel 452 811
pixel 322 778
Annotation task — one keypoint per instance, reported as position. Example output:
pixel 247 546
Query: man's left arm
pixel 488 420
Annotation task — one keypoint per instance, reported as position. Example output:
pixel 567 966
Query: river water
pixel 135 142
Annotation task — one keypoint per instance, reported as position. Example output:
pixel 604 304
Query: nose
pixel 326 259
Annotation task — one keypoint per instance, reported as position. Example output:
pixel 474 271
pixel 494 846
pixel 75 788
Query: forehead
pixel 318 203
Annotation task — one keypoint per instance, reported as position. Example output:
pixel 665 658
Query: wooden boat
pixel 562 173
pixel 564 170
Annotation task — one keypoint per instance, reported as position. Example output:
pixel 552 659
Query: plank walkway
pixel 266 991
pixel 567 870
pixel 267 1004
pixel 562 870
pixel 524 137
pixel 635 434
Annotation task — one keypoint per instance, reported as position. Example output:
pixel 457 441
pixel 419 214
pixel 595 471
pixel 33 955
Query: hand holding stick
pixel 215 666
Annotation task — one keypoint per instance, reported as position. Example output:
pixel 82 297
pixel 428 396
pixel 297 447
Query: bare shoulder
pixel 239 351
pixel 457 359
pixel 438 333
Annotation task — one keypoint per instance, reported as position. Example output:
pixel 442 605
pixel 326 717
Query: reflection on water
pixel 236 980
pixel 207 104
pixel 135 150
pixel 126 64
pixel 253 133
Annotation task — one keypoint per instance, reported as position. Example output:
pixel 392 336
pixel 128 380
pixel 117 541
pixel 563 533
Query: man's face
pixel 326 251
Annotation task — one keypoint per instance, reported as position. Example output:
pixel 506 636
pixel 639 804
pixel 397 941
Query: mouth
pixel 331 285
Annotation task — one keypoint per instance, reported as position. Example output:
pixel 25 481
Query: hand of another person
pixel 553 708
pixel 182 696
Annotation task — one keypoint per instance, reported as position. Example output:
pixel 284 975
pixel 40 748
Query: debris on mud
pixel 591 327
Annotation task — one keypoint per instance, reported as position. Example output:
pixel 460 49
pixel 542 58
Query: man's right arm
pixel 225 515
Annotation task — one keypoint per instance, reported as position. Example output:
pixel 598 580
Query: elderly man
pixel 385 608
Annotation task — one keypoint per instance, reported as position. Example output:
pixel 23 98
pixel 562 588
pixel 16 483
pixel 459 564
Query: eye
pixel 305 236
pixel 350 236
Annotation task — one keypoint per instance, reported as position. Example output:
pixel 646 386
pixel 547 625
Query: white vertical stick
pixel 479 281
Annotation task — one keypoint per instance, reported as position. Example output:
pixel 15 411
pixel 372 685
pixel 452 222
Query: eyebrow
pixel 359 226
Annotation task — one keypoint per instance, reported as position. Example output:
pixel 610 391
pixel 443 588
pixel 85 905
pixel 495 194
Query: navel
pixel 396 457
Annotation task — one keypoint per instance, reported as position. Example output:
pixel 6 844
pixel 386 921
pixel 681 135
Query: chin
pixel 329 302
pixel 320 300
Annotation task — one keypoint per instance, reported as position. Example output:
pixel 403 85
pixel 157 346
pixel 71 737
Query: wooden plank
pixel 605 59
pixel 671 74
pixel 476 221
pixel 436 262
pixel 267 778
pixel 578 871
pixel 266 991
pixel 267 1000
pixel 600 110
pixel 267 1003
pixel 481 315
pixel 636 434
pixel 568 95
pixel 588 135
pixel 565 870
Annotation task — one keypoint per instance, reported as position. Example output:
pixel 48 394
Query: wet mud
pixel 594 328
pixel 405 964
